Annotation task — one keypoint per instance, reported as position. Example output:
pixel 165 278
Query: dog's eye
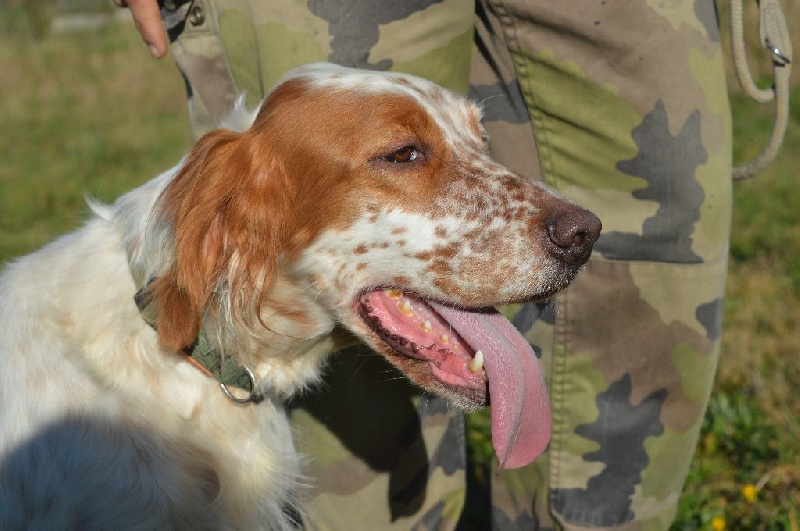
pixel 403 155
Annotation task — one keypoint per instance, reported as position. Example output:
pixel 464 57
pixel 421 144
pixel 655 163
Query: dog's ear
pixel 225 212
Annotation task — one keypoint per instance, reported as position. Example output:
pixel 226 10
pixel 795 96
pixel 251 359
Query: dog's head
pixel 369 200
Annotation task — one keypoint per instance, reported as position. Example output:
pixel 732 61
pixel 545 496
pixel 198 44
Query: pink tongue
pixel 521 421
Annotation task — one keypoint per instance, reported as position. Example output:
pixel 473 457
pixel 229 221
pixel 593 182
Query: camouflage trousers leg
pixel 380 455
pixel 225 48
pixel 631 119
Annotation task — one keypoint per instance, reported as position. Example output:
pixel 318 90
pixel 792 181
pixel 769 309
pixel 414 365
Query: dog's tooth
pixel 444 339
pixel 393 293
pixel 476 365
pixel 405 307
pixel 426 325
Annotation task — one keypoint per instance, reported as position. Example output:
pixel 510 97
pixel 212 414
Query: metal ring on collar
pixel 250 396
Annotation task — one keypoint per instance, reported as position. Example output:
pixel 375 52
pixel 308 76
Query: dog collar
pixel 208 360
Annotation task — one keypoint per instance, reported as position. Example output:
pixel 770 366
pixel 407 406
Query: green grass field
pixel 91 113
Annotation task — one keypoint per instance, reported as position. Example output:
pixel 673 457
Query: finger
pixel 148 21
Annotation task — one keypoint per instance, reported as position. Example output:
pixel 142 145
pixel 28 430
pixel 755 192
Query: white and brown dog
pixel 351 202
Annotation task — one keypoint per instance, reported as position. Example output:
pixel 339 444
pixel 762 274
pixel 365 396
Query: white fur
pixel 83 375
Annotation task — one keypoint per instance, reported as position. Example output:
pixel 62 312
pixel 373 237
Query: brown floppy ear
pixel 215 205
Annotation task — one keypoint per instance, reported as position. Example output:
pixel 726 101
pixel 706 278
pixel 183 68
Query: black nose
pixel 571 235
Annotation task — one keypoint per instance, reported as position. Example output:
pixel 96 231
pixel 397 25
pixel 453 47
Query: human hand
pixel 147 18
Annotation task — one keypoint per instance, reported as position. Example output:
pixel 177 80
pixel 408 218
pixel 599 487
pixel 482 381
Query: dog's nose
pixel 571 235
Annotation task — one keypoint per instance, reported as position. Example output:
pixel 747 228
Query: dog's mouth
pixel 476 354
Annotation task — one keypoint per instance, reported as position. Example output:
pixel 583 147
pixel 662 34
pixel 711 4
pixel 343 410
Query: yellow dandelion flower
pixel 718 523
pixel 750 492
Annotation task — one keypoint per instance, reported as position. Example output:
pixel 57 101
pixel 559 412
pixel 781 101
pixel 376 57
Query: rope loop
pixel 774 36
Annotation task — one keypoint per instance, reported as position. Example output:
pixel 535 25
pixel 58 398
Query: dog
pixel 349 204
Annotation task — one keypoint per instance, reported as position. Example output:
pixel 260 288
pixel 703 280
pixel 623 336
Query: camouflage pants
pixel 621 106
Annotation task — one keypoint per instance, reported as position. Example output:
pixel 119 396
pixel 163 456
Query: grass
pixel 746 472
pixel 91 113
pixel 84 113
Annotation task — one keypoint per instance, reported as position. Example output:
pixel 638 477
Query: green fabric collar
pixel 206 358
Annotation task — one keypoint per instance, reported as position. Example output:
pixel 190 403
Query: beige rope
pixel 774 36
